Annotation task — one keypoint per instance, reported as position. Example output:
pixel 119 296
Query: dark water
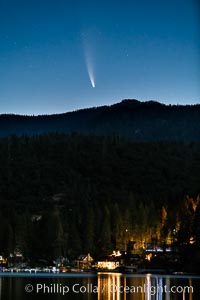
pixel 108 286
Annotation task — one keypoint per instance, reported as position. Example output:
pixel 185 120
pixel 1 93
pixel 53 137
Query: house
pixel 3 260
pixel 108 262
pixel 84 261
pixel 61 261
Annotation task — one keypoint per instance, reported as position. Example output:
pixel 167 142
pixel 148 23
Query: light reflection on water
pixel 102 286
pixel 148 287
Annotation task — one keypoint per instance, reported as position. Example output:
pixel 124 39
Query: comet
pixel 88 60
pixel 90 72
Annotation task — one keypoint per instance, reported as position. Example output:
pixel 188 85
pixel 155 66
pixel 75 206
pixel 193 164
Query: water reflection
pixel 116 286
pixel 0 287
pixel 103 286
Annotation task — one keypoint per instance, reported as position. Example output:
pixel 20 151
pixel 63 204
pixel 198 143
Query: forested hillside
pixel 67 194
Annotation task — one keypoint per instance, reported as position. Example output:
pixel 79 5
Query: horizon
pixel 105 105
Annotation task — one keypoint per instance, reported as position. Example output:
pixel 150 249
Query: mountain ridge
pixel 130 118
pixel 124 102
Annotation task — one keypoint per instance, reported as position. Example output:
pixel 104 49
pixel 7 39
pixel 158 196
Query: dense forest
pixel 70 194
pixel 139 121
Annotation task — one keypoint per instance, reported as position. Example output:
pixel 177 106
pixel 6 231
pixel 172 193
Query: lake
pixel 107 286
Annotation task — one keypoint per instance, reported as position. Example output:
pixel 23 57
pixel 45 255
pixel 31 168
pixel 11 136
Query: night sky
pixel 53 51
